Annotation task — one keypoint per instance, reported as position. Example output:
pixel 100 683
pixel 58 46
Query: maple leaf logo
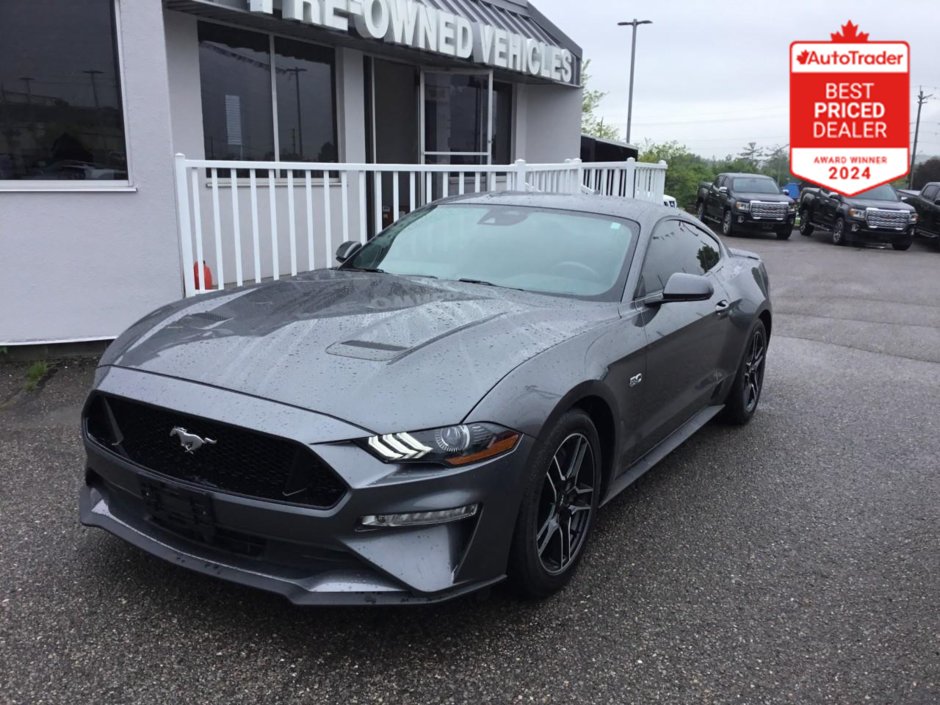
pixel 849 34
pixel 803 56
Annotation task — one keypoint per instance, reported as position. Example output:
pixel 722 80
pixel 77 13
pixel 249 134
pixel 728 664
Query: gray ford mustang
pixel 447 408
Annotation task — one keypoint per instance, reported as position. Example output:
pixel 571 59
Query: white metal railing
pixel 251 221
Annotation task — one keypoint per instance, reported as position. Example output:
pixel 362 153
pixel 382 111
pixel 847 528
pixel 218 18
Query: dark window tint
pixel 676 247
pixel 930 193
pixel 306 126
pixel 502 123
pixel 456 106
pixel 60 93
pixel 235 70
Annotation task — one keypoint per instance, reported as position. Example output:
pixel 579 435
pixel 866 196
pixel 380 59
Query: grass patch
pixel 36 373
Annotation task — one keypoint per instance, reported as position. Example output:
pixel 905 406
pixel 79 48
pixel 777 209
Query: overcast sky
pixel 713 74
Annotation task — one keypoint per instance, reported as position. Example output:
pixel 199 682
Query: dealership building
pixel 98 96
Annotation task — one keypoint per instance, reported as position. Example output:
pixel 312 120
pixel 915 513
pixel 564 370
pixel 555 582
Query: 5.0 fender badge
pixel 636 379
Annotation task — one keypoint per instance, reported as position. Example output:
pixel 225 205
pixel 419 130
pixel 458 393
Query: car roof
pixel 744 173
pixel 644 212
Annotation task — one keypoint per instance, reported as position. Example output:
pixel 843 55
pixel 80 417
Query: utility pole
pixel 632 23
pixel 92 73
pixel 921 99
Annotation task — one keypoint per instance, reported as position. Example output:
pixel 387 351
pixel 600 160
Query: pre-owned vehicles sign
pixel 849 111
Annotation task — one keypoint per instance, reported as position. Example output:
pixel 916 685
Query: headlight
pixel 453 445
pixel 856 213
pixel 742 206
pixel 793 208
pixel 913 217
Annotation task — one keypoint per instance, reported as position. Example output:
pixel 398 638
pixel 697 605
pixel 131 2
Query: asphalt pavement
pixel 796 560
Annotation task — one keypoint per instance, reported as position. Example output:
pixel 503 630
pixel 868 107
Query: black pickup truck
pixel 876 215
pixel 927 204
pixel 739 202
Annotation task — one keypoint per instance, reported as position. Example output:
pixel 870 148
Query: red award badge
pixel 849 111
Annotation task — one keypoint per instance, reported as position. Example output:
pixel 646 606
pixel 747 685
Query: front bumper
pixel 861 231
pixel 746 221
pixel 309 555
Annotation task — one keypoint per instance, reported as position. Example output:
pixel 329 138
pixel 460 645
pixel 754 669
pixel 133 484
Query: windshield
pixel 535 249
pixel 755 184
pixel 879 193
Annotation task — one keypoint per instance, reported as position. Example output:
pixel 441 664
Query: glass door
pixel 456 117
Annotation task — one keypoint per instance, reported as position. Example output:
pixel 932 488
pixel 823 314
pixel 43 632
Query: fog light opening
pixel 442 516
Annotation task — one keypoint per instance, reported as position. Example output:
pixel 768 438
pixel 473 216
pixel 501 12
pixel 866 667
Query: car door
pixel 686 340
pixel 928 209
pixel 713 204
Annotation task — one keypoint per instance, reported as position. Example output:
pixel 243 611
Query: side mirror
pixel 784 192
pixel 687 287
pixel 937 201
pixel 722 189
pixel 347 250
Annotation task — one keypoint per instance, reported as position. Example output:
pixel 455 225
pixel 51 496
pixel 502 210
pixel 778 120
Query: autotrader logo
pixel 852 57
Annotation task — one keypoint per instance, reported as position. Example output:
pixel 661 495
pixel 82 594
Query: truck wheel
pixel 838 232
pixel 806 227
pixel 903 244
pixel 700 211
pixel 727 224
pixel 784 233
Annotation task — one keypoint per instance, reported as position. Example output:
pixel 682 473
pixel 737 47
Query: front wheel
pixel 838 232
pixel 749 381
pixel 784 233
pixel 700 211
pixel 557 511
pixel 903 244
pixel 727 224
pixel 806 227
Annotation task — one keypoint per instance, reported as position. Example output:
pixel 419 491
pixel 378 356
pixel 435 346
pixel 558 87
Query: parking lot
pixel 796 560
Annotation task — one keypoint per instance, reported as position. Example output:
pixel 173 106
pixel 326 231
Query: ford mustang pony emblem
pixel 190 441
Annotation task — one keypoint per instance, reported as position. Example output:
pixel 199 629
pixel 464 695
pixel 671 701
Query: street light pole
pixel 632 23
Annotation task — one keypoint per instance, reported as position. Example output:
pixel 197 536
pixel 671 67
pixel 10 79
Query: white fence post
pixel 184 217
pixel 630 187
pixel 519 183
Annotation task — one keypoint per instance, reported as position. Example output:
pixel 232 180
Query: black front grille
pixel 240 460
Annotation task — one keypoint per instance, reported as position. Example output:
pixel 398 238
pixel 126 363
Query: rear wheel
pixel 838 232
pixel 558 508
pixel 806 227
pixel 749 382
pixel 727 224
pixel 903 244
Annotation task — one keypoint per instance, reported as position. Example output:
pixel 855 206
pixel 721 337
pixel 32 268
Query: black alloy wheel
pixel 558 509
pixel 903 244
pixel 727 224
pixel 806 227
pixel 749 382
pixel 838 232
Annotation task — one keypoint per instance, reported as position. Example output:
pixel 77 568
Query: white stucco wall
pixel 86 265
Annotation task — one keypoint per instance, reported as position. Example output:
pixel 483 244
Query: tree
pixel 752 155
pixel 926 171
pixel 684 172
pixel 591 123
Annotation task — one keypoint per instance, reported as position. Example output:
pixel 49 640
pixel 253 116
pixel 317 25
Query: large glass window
pixel 61 111
pixel 238 99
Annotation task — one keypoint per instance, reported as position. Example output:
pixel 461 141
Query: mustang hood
pixel 383 352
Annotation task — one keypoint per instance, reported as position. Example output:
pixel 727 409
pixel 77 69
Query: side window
pixel 930 193
pixel 717 181
pixel 675 247
pixel 709 253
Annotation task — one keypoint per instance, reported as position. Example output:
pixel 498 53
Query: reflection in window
pixel 676 247
pixel 502 123
pixel 238 104
pixel 456 106
pixel 61 113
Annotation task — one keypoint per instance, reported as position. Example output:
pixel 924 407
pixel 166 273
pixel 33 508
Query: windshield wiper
pixel 374 270
pixel 476 281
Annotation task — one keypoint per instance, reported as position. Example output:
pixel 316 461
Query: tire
pixel 547 524
pixel 700 211
pixel 748 384
pixel 903 244
pixel 838 232
pixel 727 224
pixel 784 233
pixel 806 227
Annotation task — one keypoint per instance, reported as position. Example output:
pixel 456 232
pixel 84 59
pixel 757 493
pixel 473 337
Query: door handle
pixel 723 307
